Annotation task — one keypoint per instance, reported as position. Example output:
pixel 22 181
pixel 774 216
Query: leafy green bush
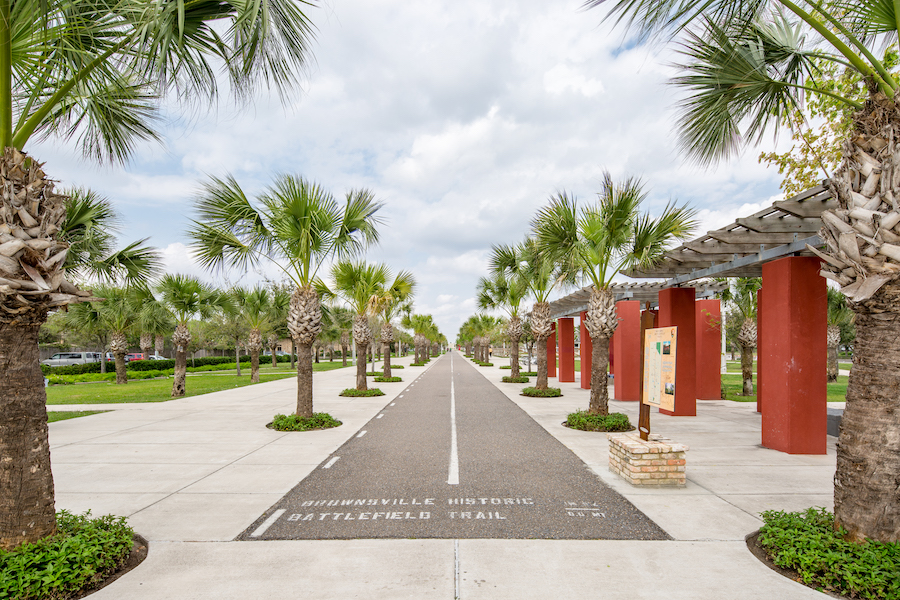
pixel 588 422
pixel 159 365
pixel 536 393
pixel 528 373
pixel 84 552
pixel 110 376
pixel 382 379
pixel 421 364
pixel 485 364
pixel 373 373
pixel 298 423
pixel 396 367
pixel 508 379
pixel 505 367
pixel 808 543
pixel 355 393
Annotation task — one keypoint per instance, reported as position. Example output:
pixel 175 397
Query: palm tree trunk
pixel 304 381
pixel 747 370
pixel 237 357
pixel 361 366
pixel 601 321
pixel 121 369
pixel 387 359
pixel 866 492
pixel 254 365
pixel 344 354
pixel 834 340
pixel 542 328
pixel 541 382
pixel 160 343
pixel 27 510
pixel 118 345
pixel 178 386
pixel 514 358
pixel 146 344
pixel 599 403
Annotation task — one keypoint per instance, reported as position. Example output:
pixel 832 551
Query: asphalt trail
pixel 514 479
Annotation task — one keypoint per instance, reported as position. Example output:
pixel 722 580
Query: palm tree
pixel 255 306
pixel 279 305
pixel 359 285
pixel 742 294
pixel 748 65
pixel 422 326
pixel 539 272
pixel 85 318
pixel 230 323
pixel 186 298
pixel 839 315
pixel 154 321
pixel 119 314
pixel 342 319
pixel 505 292
pixel 98 71
pixel 594 243
pixel 390 302
pixel 295 224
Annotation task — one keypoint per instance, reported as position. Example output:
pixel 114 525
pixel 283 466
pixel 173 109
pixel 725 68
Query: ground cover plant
pixel 484 364
pixel 585 421
pixel 511 379
pixel 298 423
pixel 82 554
pixel 505 367
pixel 355 393
pixel 382 379
pixel 421 364
pixel 528 373
pixel 808 543
pixel 536 393
pixel 54 416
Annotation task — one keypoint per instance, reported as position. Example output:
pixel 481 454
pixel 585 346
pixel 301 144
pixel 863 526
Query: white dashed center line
pixel 379 416
pixel 331 462
pixel 361 433
pixel 268 523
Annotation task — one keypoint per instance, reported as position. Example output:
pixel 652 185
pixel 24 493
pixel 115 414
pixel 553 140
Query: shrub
pixel 159 365
pixel 507 379
pixel 298 423
pixel 588 422
pixel 382 379
pixel 110 376
pixel 83 553
pixel 373 373
pixel 422 364
pixel 355 393
pixel 528 373
pixel 536 393
pixel 505 367
pixel 485 364
pixel 808 543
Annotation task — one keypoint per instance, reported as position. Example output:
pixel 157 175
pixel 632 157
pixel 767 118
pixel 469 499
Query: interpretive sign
pixel 659 367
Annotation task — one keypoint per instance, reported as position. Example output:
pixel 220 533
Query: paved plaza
pixel 225 502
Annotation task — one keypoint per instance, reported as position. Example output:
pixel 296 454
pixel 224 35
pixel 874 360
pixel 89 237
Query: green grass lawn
pixel 836 391
pixel 150 390
pixel 71 414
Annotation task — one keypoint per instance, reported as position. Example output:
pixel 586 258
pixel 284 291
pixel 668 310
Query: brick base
pixel 657 462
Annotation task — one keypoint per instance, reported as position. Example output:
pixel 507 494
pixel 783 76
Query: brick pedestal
pixel 654 463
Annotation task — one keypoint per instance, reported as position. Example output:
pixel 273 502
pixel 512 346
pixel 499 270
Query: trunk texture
pixel 867 478
pixel 515 331
pixel 160 345
pixel 181 338
pixel 237 356
pixel 27 507
pixel 304 381
pixel 345 343
pixel 273 343
pixel 254 345
pixel 305 324
pixel 146 344
pixel 601 321
pixel 118 345
pixel 387 336
pixel 541 326
pixel 833 340
pixel 747 370
pixel 361 366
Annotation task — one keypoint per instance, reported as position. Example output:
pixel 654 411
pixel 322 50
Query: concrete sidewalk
pixel 191 474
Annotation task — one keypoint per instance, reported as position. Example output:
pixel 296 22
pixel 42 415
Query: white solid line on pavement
pixel 331 462
pixel 268 523
pixel 456 565
pixel 453 477
pixel 361 433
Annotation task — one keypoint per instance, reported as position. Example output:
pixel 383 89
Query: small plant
pixel 298 423
pixel 505 367
pixel 808 543
pixel 484 364
pixel 507 379
pixel 536 393
pixel 396 367
pixel 355 393
pixel 421 364
pixel 382 379
pixel 585 421
pixel 528 373
pixel 83 553
pixel 373 373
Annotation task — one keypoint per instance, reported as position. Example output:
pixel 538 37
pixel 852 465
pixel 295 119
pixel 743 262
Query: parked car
pixel 110 357
pixel 134 356
pixel 156 357
pixel 64 359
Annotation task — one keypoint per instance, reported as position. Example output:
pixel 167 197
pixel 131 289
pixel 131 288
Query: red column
pixel 586 348
pixel 709 349
pixel 566 349
pixel 793 351
pixel 551 352
pixel 627 343
pixel 759 355
pixel 676 309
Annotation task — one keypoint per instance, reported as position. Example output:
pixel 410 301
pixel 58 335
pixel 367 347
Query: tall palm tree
pixel 747 66
pixel 342 319
pixel 119 313
pixel 97 71
pixel 85 318
pixel 186 298
pixel 359 285
pixel 230 323
pixel 541 275
pixel 390 300
pixel 595 242
pixel 742 293
pixel 255 306
pixel 505 292
pixel 154 321
pixel 421 326
pixel 839 315
pixel 295 224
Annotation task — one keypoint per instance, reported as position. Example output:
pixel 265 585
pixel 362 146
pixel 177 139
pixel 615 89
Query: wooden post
pixel 647 319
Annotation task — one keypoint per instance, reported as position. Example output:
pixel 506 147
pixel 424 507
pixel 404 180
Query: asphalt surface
pixel 396 478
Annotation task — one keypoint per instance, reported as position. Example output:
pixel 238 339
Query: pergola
pixel 779 244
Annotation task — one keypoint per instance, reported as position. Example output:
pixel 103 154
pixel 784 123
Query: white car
pixel 64 359
pixel 156 357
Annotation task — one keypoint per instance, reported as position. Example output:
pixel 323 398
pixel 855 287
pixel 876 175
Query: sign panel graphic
pixel 659 367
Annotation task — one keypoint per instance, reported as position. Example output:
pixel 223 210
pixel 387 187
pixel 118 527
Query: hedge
pixel 155 365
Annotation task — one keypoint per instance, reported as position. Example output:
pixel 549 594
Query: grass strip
pixel 835 392
pixel 62 415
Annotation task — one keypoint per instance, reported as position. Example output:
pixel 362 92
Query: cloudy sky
pixel 463 116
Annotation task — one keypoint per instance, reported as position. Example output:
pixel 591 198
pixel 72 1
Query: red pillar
pixel 586 348
pixel 627 343
pixel 551 352
pixel 676 309
pixel 793 351
pixel 709 349
pixel 566 349
pixel 759 355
